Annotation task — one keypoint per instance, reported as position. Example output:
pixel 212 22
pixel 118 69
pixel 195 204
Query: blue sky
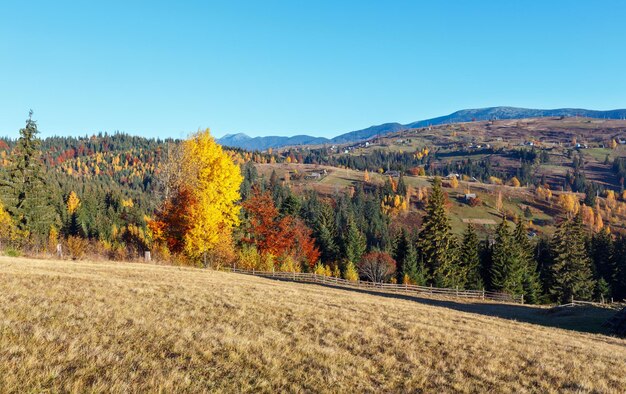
pixel 283 68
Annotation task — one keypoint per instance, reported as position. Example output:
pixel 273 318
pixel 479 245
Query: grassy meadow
pixel 121 327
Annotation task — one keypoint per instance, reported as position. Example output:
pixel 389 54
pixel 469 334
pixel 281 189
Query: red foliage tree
pixel 304 249
pixel 278 236
pixel 268 231
pixel 171 223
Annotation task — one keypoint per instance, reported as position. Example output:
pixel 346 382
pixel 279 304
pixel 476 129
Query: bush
pixel 351 274
pixel 249 258
pixel 77 247
pixel 12 252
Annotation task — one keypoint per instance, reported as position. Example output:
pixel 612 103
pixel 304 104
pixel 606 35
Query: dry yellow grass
pixel 80 326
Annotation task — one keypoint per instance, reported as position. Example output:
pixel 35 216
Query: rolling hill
pixel 241 140
pixel 70 326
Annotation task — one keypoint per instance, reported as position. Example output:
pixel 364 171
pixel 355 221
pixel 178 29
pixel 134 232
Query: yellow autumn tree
pixel 569 204
pixel 515 182
pixel 454 182
pixel 214 182
pixel 73 202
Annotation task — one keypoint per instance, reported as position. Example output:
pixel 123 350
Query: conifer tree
pixel 506 272
pixel 401 189
pixel 530 276
pixel 24 190
pixel 469 259
pixel 356 243
pixel 619 262
pixel 436 241
pixel 572 275
pixel 400 252
pixel 601 252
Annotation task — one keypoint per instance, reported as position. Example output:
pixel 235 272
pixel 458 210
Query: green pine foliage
pixel 530 276
pixel 437 243
pixel 572 270
pixel 25 191
pixel 507 263
pixel 469 259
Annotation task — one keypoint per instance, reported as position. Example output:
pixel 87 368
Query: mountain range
pixel 244 141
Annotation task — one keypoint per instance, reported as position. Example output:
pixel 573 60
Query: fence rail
pixel 383 287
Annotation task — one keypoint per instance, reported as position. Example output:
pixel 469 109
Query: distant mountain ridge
pixel 241 140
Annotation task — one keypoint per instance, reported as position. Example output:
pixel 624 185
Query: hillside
pixel 241 140
pixel 82 326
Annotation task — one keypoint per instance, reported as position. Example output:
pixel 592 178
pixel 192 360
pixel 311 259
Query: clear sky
pixel 294 67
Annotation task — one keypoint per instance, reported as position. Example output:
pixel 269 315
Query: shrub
pixel 351 273
pixel 11 252
pixel 288 264
pixel 77 247
pixel 249 258
pixel 377 266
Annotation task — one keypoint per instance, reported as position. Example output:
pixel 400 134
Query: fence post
pixel 522 298
pixel 483 294
pixel 457 291
pixel 273 271
pixel 572 299
pixel 252 271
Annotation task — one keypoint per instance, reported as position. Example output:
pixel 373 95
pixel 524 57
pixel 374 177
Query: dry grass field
pixel 118 327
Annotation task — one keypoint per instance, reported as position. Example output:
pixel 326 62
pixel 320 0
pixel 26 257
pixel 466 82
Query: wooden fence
pixel 392 288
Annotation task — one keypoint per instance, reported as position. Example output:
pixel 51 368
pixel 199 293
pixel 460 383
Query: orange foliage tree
pixel 275 235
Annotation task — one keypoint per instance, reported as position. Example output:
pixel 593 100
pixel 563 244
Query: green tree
pixel 572 275
pixel 469 258
pixel 24 190
pixel 601 252
pixel 436 241
pixel 506 272
pixel 356 244
pixel 530 275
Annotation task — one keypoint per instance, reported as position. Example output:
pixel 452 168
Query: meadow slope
pixel 82 326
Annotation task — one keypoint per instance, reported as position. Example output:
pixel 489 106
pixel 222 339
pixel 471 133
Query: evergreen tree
pixel 400 252
pixel 24 191
pixel 530 276
pixel 401 189
pixel 619 262
pixel 356 243
pixel 506 273
pixel 436 241
pixel 572 274
pixel 601 252
pixel 470 259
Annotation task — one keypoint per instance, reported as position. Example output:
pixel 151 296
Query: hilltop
pixel 241 140
pixel 84 326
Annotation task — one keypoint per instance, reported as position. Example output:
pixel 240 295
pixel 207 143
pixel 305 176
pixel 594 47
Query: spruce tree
pixel 400 250
pixel 572 275
pixel 619 262
pixel 506 273
pixel 601 251
pixel 469 259
pixel 401 189
pixel 355 243
pixel 436 241
pixel 530 276
pixel 24 190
